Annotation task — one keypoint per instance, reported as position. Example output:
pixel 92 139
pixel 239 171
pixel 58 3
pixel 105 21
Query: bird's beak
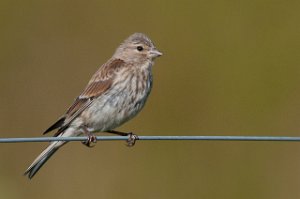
pixel 155 53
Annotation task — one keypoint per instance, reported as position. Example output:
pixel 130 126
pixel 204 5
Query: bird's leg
pixel 91 138
pixel 131 139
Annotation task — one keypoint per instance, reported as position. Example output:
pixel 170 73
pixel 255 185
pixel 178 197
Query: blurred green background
pixel 229 68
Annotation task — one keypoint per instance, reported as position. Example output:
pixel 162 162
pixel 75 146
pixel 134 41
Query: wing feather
pixel 99 84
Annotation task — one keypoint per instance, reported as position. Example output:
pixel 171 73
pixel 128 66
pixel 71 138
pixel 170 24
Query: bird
pixel 115 94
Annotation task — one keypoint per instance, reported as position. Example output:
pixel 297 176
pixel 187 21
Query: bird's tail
pixel 42 158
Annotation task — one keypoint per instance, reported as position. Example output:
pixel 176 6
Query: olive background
pixel 228 68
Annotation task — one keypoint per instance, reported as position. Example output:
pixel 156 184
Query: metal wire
pixel 178 138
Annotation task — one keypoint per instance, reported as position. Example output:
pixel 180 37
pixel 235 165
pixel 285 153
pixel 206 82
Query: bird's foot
pixel 91 138
pixel 131 139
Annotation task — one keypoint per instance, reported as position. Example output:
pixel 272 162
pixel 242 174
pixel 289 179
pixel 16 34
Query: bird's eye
pixel 140 48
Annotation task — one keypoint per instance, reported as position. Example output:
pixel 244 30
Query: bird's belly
pixel 110 111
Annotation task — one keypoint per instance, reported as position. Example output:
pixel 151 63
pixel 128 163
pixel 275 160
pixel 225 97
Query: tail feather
pixel 42 158
pixel 56 125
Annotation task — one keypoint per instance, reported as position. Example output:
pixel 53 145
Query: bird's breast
pixel 126 97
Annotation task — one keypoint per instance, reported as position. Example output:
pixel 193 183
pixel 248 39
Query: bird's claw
pixel 91 138
pixel 131 139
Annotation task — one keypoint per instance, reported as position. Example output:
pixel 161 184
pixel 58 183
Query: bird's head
pixel 137 48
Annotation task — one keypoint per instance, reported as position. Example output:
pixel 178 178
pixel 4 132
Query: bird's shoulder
pixel 100 82
pixel 107 70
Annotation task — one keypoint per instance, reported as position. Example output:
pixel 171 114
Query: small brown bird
pixel 115 94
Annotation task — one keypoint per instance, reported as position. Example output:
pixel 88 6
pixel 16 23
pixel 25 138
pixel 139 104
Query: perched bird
pixel 115 94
